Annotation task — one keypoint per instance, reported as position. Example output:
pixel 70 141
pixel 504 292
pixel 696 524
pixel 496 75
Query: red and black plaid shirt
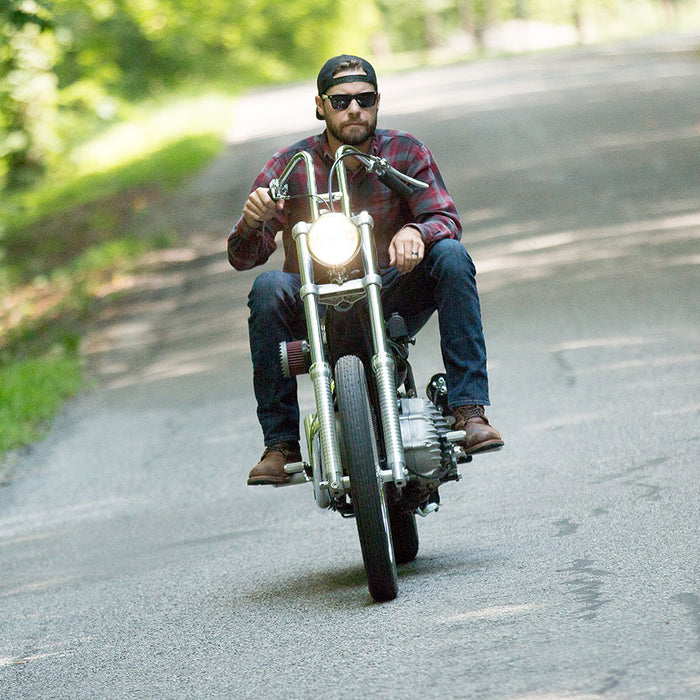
pixel 430 210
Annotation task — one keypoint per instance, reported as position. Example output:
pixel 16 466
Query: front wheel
pixel 404 534
pixel 366 485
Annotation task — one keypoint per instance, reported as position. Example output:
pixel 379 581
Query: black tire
pixel 404 535
pixel 366 486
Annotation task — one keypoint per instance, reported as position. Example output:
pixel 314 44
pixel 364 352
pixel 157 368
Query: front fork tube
pixel 382 361
pixel 320 370
pixel 320 373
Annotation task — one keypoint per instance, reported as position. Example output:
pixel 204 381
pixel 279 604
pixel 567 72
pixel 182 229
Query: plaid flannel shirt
pixel 430 210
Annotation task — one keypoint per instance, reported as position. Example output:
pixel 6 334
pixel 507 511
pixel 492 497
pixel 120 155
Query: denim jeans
pixel 444 281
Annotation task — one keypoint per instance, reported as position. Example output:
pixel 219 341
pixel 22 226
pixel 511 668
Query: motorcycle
pixel 377 451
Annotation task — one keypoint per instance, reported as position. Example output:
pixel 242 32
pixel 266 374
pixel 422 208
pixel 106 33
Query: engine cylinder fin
pixel 422 433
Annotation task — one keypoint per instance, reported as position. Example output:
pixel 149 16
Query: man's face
pixel 355 125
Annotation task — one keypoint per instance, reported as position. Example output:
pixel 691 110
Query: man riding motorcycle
pixel 423 265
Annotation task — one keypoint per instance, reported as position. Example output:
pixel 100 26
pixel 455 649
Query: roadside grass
pixel 31 392
pixel 45 229
pixel 67 242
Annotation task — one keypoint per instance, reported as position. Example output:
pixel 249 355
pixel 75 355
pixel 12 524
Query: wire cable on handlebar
pixel 287 197
pixel 375 165
pixel 395 180
pixel 357 154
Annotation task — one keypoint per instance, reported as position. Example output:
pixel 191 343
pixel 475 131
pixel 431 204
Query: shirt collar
pixel 325 147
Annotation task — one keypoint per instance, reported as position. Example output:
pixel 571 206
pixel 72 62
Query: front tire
pixel 366 485
pixel 404 534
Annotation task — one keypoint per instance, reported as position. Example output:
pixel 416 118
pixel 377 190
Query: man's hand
pixel 406 249
pixel 260 207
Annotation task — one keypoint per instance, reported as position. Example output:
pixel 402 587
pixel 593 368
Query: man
pixel 424 266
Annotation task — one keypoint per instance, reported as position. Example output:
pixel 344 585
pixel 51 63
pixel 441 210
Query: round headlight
pixel 333 239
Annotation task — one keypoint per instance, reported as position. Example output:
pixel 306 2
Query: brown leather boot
pixel 481 435
pixel 270 468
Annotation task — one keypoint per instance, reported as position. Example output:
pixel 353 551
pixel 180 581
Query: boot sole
pixel 489 446
pixel 268 480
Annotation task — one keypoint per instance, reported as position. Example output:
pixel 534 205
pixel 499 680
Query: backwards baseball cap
pixel 326 79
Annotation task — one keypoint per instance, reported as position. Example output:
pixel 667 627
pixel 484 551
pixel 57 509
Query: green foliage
pixel 68 243
pixel 67 268
pixel 27 91
pixel 70 67
pixel 71 70
pixel 31 391
pixel 49 226
pixel 421 24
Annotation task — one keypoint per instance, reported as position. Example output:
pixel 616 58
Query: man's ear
pixel 320 114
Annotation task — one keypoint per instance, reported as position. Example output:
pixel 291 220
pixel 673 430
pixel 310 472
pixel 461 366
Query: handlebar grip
pixel 395 185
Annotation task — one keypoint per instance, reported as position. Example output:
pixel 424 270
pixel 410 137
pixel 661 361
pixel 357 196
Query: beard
pixel 353 133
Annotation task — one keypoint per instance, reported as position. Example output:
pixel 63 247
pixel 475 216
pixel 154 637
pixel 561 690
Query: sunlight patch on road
pixel 539 256
pixel 491 613
pixel 48 520
pixel 59 649
pixel 179 364
pixel 565 421
pixel 34 587
pixel 681 261
pixel 607 342
pixel 693 408
pixel 649 362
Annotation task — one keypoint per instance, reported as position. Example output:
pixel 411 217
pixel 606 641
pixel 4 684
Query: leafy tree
pixel 27 90
pixel 70 64
pixel 477 15
pixel 66 66
pixel 424 24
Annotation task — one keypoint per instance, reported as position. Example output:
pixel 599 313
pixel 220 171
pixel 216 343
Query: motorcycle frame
pixel 343 295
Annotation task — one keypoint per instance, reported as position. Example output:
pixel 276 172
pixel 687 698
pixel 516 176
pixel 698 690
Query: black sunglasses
pixel 341 102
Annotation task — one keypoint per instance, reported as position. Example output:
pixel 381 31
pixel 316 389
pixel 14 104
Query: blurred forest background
pixel 105 104
pixel 68 68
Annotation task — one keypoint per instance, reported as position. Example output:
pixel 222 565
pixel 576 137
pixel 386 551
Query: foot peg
pixel 298 474
pixel 455 436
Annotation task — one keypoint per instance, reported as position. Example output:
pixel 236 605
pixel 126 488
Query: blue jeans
pixel 444 281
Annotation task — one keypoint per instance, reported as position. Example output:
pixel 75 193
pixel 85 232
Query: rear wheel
pixel 404 534
pixel 366 485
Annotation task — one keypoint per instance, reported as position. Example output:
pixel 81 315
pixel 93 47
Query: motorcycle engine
pixel 423 430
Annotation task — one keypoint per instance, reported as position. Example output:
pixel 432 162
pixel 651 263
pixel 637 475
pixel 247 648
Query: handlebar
pixel 395 180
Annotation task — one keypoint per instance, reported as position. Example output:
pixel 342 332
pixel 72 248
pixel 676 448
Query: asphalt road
pixel 134 561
